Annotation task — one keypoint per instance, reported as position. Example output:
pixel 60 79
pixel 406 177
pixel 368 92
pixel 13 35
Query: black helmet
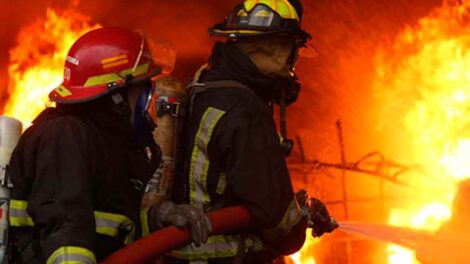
pixel 263 17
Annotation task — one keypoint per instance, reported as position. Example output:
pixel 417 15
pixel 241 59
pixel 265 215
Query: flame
pixel 424 77
pixel 421 87
pixel 304 256
pixel 36 63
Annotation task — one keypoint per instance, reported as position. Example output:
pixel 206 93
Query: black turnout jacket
pixel 77 185
pixel 234 157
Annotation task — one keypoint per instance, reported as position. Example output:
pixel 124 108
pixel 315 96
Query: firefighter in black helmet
pixel 234 155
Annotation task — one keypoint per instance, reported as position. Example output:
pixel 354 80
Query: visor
pixel 261 20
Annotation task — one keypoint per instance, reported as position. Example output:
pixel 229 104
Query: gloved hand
pixel 318 217
pixel 169 213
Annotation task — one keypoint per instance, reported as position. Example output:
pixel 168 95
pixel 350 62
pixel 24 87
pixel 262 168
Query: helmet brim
pixel 221 31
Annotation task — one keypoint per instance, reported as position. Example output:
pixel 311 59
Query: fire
pixel 305 256
pixel 424 77
pixel 36 63
pixel 421 88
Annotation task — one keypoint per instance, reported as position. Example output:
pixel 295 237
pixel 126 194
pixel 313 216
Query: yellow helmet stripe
pixel 286 10
pixel 282 7
pixel 102 79
pixel 62 91
pixel 249 4
pixel 115 77
pixel 240 31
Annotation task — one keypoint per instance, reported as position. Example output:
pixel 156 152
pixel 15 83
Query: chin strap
pixel 286 144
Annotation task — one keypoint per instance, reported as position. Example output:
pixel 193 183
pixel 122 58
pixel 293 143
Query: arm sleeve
pixel 257 174
pixel 60 202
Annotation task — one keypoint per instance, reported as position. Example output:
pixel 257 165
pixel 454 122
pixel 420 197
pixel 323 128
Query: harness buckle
pixel 138 185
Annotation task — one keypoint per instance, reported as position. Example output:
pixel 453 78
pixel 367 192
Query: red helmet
pixel 109 58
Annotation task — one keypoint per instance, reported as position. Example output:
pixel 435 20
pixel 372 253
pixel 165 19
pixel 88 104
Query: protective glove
pixel 169 213
pixel 318 217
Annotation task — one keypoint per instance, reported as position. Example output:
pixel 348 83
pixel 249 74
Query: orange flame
pixel 305 256
pixel 421 85
pixel 36 63
pixel 425 79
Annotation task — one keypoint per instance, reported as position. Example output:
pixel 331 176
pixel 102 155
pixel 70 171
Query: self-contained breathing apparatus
pixel 10 131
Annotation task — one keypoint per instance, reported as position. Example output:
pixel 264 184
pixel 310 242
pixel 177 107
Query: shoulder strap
pixel 196 87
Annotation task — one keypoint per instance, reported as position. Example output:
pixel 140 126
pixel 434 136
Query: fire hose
pixel 171 238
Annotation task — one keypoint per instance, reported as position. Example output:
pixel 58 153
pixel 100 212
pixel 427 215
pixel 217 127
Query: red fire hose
pixel 150 247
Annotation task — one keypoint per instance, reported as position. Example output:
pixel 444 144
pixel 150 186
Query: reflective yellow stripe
pixel 103 79
pixel 139 70
pixel 62 91
pixel 18 215
pixel 221 184
pixel 291 217
pixel 21 221
pixel 72 255
pixel 110 224
pixel 107 224
pixel 199 196
pixel 240 31
pixel 216 247
pixel 18 204
pixel 114 77
pixel 144 221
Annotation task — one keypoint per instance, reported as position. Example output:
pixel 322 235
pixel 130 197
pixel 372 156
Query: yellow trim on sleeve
pixel 71 255
pixel 144 221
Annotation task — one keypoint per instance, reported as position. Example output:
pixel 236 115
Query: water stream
pixel 449 245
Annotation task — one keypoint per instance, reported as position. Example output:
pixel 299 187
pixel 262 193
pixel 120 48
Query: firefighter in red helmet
pixel 78 172
pixel 234 154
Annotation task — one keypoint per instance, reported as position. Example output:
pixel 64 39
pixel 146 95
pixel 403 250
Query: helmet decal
pixel 73 60
pixel 114 61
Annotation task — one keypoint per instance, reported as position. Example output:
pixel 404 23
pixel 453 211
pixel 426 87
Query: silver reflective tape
pixel 217 247
pixel 201 164
pixel 76 258
pixel 20 213
pixel 101 222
